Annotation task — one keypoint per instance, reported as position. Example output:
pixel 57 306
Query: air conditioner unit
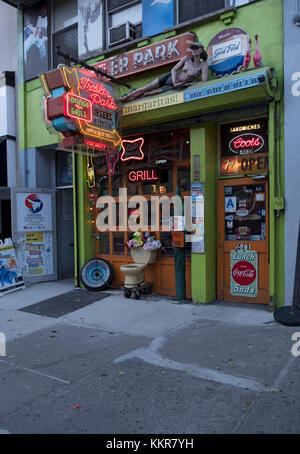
pixel 122 33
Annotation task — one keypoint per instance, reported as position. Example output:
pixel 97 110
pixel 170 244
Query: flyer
pixel 10 277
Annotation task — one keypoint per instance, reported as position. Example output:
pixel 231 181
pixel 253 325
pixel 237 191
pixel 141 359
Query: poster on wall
pixel 162 10
pixel 243 273
pixel 10 277
pixel 35 253
pixel 35 40
pixel 34 212
pixel 197 195
pixel 90 28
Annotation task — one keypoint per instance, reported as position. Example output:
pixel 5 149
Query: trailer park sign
pixel 81 107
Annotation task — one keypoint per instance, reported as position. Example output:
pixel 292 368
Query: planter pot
pixel 143 256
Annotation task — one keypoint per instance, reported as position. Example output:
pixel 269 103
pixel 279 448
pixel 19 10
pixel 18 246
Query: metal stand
pixel 290 315
pixel 135 292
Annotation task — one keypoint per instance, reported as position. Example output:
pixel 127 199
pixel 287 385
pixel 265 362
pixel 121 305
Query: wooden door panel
pixel 225 247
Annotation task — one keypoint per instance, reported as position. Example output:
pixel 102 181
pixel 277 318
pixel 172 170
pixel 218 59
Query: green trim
pixel 85 248
pixel 33 84
pixel 143 43
pixel 170 34
pixel 204 266
pixel 76 245
pixel 228 17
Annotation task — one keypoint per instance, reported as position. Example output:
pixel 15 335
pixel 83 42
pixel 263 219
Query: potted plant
pixel 144 251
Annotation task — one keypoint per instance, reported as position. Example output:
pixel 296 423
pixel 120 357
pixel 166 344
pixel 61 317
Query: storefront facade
pixel 223 136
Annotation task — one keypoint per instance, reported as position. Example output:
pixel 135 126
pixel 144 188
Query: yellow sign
pixel 152 103
pixel 34 237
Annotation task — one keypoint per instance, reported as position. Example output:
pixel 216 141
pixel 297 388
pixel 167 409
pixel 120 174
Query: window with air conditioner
pixel 124 19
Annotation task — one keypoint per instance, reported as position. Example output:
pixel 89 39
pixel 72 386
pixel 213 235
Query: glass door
pixel 243 271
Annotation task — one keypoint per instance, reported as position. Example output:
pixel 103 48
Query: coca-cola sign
pixel 244 273
pixel 246 144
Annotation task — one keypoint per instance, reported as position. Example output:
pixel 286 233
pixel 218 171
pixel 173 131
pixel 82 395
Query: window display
pixel 245 212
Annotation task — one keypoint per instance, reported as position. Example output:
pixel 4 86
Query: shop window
pixel 116 184
pixel 166 241
pixel 246 220
pixel 118 243
pixel 132 188
pixel 102 185
pixel 149 188
pixel 183 178
pixel 103 243
pixel 64 169
pixel 64 29
pixel 165 181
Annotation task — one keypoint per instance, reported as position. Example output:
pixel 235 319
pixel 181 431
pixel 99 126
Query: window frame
pixel 52 32
pixel 108 13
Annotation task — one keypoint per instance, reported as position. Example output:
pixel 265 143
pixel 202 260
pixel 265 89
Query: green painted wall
pixel 264 18
pixel 204 266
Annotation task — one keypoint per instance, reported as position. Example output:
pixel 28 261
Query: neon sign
pixel 80 107
pixel 132 149
pixel 99 95
pixel 246 144
pixel 77 107
pixel 250 164
pixel 142 175
pixel 112 159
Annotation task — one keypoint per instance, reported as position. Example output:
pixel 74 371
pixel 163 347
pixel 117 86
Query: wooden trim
pixel 224 248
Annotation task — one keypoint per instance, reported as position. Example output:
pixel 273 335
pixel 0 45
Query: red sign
pixel 132 149
pixel 244 273
pixel 142 175
pixel 153 56
pixel 99 95
pixel 246 144
pixel 77 107
pixel 88 108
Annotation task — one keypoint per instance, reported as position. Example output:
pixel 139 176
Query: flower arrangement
pixel 136 241
pixel 149 243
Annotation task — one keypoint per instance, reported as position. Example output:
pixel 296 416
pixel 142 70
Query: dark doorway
pixel 6 218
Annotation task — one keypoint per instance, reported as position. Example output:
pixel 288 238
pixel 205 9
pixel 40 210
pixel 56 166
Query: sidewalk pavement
pixel 150 316
pixel 230 362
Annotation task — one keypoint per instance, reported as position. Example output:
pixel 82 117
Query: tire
pixel 96 274
pixel 136 295
pixel 127 293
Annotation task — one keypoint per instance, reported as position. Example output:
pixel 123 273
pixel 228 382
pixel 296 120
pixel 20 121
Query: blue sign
pixel 157 15
pixel 225 87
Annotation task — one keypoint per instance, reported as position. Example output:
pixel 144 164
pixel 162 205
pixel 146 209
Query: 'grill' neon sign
pixel 142 175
